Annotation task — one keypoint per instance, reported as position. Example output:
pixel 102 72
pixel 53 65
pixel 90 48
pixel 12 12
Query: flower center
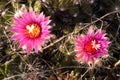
pixel 91 46
pixel 33 30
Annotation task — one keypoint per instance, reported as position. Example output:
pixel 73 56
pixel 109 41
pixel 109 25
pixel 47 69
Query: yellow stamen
pixel 33 30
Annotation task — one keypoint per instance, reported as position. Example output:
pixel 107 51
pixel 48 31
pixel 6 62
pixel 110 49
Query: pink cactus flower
pixel 31 30
pixel 91 46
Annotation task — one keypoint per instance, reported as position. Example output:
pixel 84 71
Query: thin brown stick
pixel 99 19
pixel 58 40
pixel 84 74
